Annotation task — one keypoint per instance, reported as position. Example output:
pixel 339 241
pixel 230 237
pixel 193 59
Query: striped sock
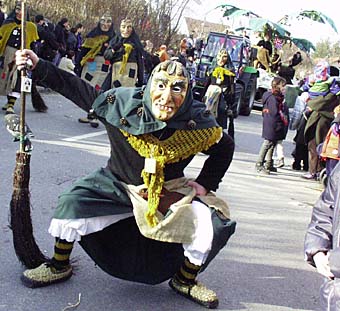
pixel 188 272
pixel 10 101
pixel 62 252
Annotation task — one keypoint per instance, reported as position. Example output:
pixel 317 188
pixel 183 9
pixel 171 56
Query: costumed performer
pixel 10 42
pixel 90 63
pixel 220 82
pixel 125 53
pixel 169 227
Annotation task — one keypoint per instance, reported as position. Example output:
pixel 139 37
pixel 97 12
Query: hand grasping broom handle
pixel 24 243
pixel 23 75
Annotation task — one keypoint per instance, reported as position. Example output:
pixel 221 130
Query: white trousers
pixel 197 251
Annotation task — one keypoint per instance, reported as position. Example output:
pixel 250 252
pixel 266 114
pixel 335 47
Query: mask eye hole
pixel 177 89
pixel 160 86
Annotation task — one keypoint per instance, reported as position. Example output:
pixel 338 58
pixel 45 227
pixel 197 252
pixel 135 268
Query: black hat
pixel 39 18
pixel 18 5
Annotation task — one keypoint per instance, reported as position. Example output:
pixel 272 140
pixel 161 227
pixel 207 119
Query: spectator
pixel 67 62
pixel 61 34
pixel 48 45
pixel 162 53
pixel 321 106
pixel 273 126
pixel 74 39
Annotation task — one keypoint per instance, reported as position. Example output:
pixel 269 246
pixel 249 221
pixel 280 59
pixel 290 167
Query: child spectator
pixel 274 125
pixel 67 62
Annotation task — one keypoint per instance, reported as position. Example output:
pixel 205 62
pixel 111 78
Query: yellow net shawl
pixel 181 145
pixel 220 72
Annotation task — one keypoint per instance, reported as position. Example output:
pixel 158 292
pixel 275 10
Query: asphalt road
pixel 261 269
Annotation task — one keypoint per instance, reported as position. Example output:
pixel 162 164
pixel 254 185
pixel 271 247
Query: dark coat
pixel 321 117
pixel 273 128
pixel 49 44
pixel 323 236
pixel 83 94
pixel 61 36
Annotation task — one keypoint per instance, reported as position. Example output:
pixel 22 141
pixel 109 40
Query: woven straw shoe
pixel 45 275
pixel 196 292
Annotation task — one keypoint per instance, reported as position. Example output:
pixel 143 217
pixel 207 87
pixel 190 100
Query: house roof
pixel 202 28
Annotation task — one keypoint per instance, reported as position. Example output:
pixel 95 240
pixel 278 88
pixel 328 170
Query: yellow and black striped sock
pixel 188 272
pixel 62 253
pixel 10 101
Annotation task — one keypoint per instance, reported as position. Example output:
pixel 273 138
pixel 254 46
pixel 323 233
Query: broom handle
pixel 23 75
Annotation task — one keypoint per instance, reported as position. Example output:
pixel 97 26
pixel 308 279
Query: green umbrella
pixel 318 17
pixel 303 44
pixel 233 11
pixel 258 24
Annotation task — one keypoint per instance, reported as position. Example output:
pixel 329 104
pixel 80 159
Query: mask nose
pixel 166 96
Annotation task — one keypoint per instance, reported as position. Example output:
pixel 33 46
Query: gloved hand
pixel 335 128
pixel 322 264
pixel 138 84
pixel 117 46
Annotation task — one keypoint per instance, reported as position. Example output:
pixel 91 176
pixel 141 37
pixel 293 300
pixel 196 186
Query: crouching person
pixel 168 226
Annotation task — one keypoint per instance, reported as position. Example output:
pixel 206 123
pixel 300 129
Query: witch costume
pixel 126 57
pixel 91 65
pixel 10 42
pixel 165 229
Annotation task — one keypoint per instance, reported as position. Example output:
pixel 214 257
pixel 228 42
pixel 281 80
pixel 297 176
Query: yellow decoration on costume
pixel 7 29
pixel 220 72
pixel 95 45
pixel 181 145
pixel 128 48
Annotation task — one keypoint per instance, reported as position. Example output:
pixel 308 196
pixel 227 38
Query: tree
pixel 155 20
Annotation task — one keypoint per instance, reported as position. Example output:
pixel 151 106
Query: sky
pixel 274 11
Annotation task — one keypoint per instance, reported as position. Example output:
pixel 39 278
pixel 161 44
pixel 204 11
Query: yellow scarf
pixel 95 45
pixel 181 145
pixel 128 48
pixel 220 72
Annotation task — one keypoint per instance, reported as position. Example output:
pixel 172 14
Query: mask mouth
pixel 164 108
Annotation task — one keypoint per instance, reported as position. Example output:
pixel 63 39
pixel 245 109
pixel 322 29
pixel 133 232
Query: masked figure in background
pixel 125 54
pixel 91 65
pixel 220 90
pixel 140 218
pixel 10 42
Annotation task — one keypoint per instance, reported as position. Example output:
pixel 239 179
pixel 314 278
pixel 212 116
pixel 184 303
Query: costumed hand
pixel 117 46
pixel 26 59
pixel 200 190
pixel 335 129
pixel 322 264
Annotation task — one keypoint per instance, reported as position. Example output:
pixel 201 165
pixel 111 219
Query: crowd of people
pixel 143 97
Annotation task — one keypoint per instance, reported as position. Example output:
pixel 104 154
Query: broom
pixel 25 246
